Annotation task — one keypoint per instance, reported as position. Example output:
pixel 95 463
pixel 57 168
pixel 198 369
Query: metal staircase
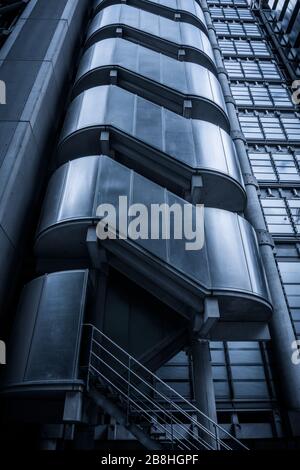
pixel 145 405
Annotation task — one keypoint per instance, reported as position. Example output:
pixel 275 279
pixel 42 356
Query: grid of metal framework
pixel 270 122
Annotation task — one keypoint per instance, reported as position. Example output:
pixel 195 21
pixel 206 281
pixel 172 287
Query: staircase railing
pixel 149 401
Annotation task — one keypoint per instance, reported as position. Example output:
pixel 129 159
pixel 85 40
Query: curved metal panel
pixel 51 310
pixel 168 85
pixel 167 147
pixel 183 10
pixel 179 40
pixel 228 265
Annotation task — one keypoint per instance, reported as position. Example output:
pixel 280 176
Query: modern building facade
pixel 285 17
pixel 143 343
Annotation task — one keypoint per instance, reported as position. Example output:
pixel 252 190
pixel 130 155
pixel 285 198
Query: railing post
pixel 128 389
pixel 218 446
pixel 90 360
pixel 172 431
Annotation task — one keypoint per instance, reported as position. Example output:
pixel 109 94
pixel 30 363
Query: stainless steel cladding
pixel 183 10
pixel 134 67
pixel 165 146
pixel 179 40
pixel 228 266
pixel 47 334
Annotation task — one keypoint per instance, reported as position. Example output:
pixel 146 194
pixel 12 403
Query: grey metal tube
pixel 281 328
pixel 204 386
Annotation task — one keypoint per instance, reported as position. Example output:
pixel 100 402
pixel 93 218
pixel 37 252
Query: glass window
pixel 262 166
pixel 252 70
pixel 275 165
pixel 233 47
pixel 231 13
pixel 270 127
pixel 277 216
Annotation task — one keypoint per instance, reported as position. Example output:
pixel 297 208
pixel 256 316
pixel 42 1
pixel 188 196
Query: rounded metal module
pixel 188 11
pixel 162 145
pixel 182 41
pixel 226 265
pixel 47 337
pixel 183 87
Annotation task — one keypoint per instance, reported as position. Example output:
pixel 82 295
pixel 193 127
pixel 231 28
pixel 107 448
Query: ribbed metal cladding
pixel 147 98
pixel 146 118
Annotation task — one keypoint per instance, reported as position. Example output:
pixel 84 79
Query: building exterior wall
pixel 118 113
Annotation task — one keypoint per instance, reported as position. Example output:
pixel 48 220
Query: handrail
pixel 181 410
pixel 202 442
pixel 161 409
pixel 149 417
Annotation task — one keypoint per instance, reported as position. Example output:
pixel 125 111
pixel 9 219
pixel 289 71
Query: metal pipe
pixel 204 387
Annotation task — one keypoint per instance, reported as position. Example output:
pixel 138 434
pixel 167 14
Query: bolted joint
pixel 222 70
pixel 113 76
pixel 181 54
pixel 265 238
pixel 229 99
pixel 216 48
pixel 250 180
pixel 187 109
pixel 119 32
pixel 211 27
pixel 105 143
pixel 238 135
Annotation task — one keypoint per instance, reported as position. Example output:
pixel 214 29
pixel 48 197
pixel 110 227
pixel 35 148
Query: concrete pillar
pixel 281 329
pixel 204 387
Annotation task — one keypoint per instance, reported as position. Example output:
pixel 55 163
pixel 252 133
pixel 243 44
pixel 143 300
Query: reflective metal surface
pixel 229 265
pixel 173 38
pixel 47 333
pixel 183 10
pixel 164 146
pixel 168 85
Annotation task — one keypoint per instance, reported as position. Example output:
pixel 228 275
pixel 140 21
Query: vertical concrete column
pixel 204 387
pixel 281 329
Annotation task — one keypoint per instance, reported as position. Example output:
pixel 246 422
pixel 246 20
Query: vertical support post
pixel 204 387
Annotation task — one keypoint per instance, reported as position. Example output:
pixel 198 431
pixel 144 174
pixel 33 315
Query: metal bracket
pixel 105 143
pixel 113 76
pixel 119 32
pixel 73 407
pixel 187 109
pixel 222 70
pixel 229 99
pixel 250 180
pixel 238 135
pixel 265 238
pixel 211 27
pixel 217 48
pixel 181 54
pixel 203 324
pixel 196 188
